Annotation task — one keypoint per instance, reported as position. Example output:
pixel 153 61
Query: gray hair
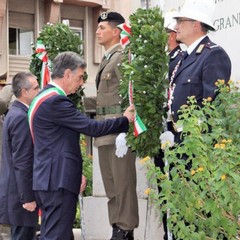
pixel 21 81
pixel 67 60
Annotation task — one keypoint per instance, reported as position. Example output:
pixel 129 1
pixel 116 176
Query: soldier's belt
pixel 109 110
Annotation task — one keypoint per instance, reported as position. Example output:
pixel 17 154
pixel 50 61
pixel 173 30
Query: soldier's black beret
pixel 111 17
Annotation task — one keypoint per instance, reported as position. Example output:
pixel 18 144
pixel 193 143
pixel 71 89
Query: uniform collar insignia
pixel 200 48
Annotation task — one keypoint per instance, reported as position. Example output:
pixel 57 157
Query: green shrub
pixel 203 202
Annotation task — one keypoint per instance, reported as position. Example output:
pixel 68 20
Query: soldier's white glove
pixel 167 139
pixel 121 145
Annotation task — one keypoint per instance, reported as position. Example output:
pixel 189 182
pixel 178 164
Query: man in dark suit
pixel 56 125
pixel 17 200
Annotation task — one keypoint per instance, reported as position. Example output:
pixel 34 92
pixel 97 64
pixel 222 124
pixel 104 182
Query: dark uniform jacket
pixel 16 169
pixel 198 73
pixel 57 125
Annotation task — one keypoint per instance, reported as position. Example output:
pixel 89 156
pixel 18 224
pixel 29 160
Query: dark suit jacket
pixel 57 125
pixel 16 169
pixel 198 73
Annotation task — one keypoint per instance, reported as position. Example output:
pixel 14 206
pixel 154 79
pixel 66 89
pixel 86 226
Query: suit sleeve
pixel 66 115
pixel 22 156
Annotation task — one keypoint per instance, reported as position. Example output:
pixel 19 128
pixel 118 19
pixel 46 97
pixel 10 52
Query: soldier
pixel 118 174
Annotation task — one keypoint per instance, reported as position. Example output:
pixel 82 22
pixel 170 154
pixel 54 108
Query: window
pixel 79 32
pixel 20 41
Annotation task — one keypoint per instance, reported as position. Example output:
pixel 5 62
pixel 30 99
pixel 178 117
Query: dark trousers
pixel 58 214
pixel 23 233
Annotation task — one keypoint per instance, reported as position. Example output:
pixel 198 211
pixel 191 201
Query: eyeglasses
pixel 180 20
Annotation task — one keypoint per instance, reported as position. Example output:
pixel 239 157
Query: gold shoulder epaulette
pixel 200 48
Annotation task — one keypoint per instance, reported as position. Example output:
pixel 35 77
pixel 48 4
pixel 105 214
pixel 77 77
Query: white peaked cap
pixel 200 10
pixel 169 20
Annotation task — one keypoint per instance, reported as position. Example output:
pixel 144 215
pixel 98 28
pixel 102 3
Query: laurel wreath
pixel 146 63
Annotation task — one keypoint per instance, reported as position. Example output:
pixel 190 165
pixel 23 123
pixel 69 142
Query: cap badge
pixel 104 15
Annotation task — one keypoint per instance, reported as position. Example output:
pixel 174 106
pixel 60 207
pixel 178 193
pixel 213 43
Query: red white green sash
pixel 37 101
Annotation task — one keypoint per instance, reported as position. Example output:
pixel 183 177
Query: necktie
pixel 185 55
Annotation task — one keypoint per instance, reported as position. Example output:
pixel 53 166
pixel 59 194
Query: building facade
pixel 21 22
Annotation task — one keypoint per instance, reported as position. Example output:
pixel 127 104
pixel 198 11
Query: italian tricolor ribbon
pixel 139 126
pixel 125 34
pixel 42 55
pixel 38 100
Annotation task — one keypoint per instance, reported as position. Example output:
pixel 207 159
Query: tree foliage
pixel 57 38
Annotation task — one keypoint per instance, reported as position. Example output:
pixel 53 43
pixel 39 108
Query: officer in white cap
pixel 202 65
pixel 194 21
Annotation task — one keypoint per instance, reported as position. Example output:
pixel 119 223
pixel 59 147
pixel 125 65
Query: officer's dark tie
pixel 185 55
